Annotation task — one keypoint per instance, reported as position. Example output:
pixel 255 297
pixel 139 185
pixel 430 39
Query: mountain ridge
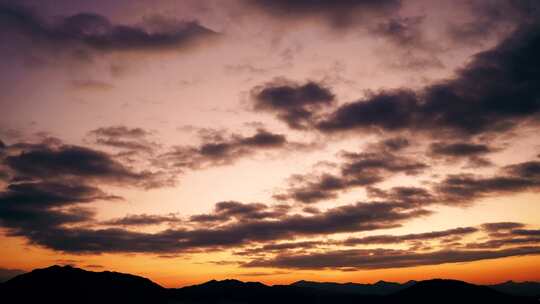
pixel 67 284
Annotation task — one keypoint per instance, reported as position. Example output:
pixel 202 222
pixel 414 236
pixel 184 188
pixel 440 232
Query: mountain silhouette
pixel 452 291
pixel 530 289
pixel 66 284
pixel 232 291
pixel 379 288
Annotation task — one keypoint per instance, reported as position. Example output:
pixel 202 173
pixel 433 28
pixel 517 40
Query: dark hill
pixel 531 289
pixel 66 284
pixel 379 288
pixel 452 291
pixel 232 291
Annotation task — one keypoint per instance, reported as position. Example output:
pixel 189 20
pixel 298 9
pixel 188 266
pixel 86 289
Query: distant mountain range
pixel 65 284
pixel 380 288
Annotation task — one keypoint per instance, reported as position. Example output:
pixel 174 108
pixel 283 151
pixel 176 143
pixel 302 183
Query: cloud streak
pixel 363 259
pixel 247 223
pixel 97 33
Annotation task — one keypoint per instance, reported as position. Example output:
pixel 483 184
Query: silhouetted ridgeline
pixel 57 284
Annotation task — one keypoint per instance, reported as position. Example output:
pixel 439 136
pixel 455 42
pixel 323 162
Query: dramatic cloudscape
pixel 357 140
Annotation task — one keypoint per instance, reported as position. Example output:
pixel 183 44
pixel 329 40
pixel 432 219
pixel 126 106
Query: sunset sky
pixel 271 140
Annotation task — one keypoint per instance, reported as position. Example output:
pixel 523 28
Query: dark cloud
pixel 498 226
pixel 394 239
pixel 279 247
pixel 263 139
pixel 396 143
pixel 120 131
pixel 311 210
pixel 322 187
pixel 292 245
pixel 384 258
pixel 358 169
pixel 240 231
pixel 26 208
pixel 474 153
pixel 504 242
pixel 229 210
pixel 528 232
pixel 295 104
pixel 530 170
pixel 389 110
pixel 465 188
pixel 216 150
pixel 121 137
pixel 96 33
pixel 495 91
pixel 262 274
pixel 365 161
pixel 459 149
pixel 143 220
pixel 49 182
pixel 74 162
pixel 505 234
pixel 130 145
pixel 409 195
pixel 337 14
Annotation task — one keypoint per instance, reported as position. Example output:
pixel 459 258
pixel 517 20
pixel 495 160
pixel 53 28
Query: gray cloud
pixel 242 230
pixel 143 220
pixel 121 137
pixel 498 226
pixel 357 169
pixel 459 149
pixel 120 131
pixel 98 34
pixel 295 104
pixel 384 258
pixel 217 150
pixel 26 208
pixel 395 239
pixel 465 188
pixel 66 162
pixel 473 153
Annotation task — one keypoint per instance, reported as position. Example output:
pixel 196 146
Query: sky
pixel 271 141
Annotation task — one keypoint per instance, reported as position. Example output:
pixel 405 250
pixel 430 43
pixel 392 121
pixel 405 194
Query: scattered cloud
pixel 365 259
pixel 229 233
pixel 96 33
pixel 295 104
pixel 218 149
pixel 357 170
pixel 143 220
pixel 396 239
